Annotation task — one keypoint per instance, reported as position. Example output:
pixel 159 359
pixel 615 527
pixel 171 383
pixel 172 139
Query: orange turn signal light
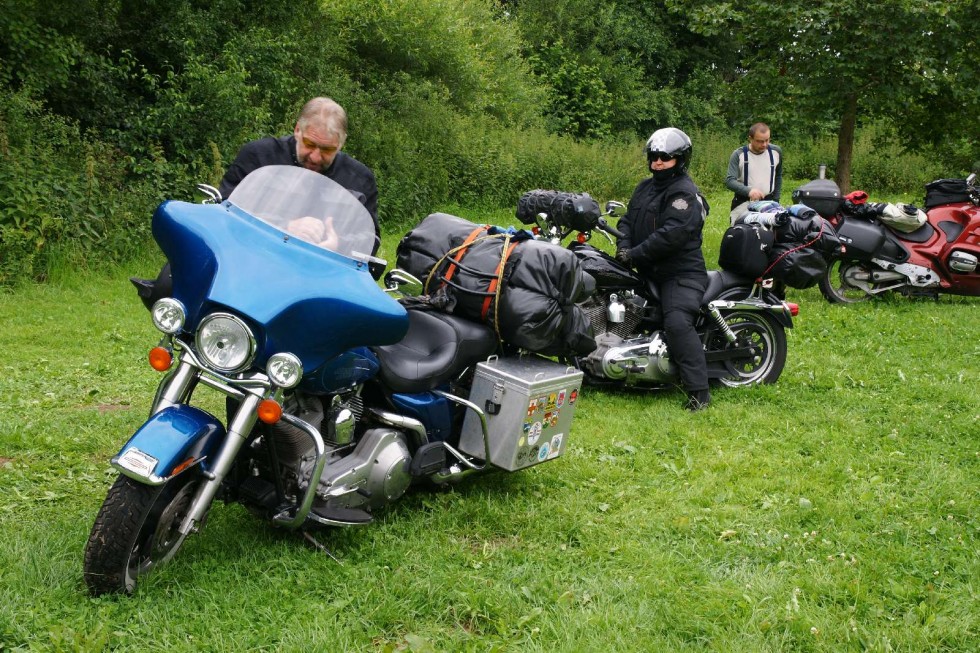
pixel 161 359
pixel 182 466
pixel 269 411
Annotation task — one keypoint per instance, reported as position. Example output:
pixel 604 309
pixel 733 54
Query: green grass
pixel 834 511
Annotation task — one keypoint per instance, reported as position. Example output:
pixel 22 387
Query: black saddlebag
pixel 797 267
pixel 525 289
pixel 745 250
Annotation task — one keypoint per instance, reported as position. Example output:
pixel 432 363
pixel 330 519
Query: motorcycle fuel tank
pixel 602 267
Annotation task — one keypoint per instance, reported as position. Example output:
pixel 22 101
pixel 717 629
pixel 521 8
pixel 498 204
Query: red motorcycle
pixel 940 255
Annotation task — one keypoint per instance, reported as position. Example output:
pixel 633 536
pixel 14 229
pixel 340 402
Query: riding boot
pixel 698 400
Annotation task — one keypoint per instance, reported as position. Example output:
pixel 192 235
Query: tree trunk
pixel 845 142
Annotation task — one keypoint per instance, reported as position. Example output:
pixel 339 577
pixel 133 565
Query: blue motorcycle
pixel 337 397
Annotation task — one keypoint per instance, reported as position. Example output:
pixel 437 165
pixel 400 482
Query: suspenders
pixel 772 167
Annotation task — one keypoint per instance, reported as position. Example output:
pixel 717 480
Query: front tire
pixel 135 531
pixel 766 338
pixel 840 284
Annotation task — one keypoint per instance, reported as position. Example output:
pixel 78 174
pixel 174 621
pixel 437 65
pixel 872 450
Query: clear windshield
pixel 309 206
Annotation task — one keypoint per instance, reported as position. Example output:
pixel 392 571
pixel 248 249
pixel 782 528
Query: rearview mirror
pixel 615 209
pixel 402 282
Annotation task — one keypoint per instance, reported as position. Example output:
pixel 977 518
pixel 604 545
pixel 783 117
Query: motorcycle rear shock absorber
pixel 722 325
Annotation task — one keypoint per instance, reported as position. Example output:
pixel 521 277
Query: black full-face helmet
pixel 671 142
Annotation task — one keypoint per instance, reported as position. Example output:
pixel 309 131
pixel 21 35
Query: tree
pixel 622 66
pixel 906 63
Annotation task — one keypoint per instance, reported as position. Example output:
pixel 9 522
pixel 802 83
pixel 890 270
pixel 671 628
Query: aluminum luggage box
pixel 529 403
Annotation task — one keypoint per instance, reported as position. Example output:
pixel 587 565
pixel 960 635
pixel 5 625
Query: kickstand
pixel 319 547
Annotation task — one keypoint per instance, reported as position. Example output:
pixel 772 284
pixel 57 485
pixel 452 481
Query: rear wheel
pixel 135 531
pixel 762 344
pixel 846 282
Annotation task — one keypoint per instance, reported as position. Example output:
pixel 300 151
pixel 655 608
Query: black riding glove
pixel 623 256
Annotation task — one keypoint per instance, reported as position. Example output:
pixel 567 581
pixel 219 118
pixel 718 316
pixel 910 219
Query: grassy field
pixel 834 511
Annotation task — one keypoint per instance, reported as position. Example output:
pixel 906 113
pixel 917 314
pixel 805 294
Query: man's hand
pixel 330 239
pixel 309 229
pixel 316 231
pixel 623 256
pixel 755 194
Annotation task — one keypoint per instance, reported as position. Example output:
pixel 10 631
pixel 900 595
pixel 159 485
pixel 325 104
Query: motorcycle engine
pixel 962 262
pixel 614 314
pixel 638 360
pixel 370 473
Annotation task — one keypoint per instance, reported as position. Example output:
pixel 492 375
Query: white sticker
pixel 680 204
pixel 534 433
pixel 556 444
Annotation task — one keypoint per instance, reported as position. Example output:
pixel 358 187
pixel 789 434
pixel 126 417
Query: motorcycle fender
pixel 779 311
pixel 171 441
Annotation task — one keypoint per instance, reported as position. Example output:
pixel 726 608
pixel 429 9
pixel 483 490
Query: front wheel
pixel 135 531
pixel 846 282
pixel 761 342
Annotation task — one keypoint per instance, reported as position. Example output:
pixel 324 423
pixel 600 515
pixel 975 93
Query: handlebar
pixel 602 225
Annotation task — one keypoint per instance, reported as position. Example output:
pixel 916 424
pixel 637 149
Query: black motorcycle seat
pixel 721 280
pixel 920 235
pixel 437 347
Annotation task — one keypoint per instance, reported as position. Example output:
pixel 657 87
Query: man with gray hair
pixel 315 144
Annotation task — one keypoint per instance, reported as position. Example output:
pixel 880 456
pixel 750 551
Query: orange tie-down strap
pixel 459 252
pixel 494 286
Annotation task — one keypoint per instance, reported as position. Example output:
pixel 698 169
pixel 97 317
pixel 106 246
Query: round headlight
pixel 225 342
pixel 285 370
pixel 169 315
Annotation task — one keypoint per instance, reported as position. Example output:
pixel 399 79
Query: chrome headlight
pixel 225 342
pixel 285 370
pixel 169 315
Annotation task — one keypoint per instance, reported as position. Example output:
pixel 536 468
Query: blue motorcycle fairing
pixel 309 301
pixel 435 412
pixel 349 368
pixel 172 436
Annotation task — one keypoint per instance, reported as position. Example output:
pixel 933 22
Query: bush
pixel 62 190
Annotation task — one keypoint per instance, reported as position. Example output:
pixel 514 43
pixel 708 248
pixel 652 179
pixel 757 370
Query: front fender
pixel 171 441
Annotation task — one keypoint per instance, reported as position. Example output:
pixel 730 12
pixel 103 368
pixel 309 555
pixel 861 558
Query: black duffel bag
pixel 576 211
pixel 946 191
pixel 745 249
pixel 797 267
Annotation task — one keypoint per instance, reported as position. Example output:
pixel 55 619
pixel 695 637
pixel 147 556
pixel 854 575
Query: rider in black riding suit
pixel 662 239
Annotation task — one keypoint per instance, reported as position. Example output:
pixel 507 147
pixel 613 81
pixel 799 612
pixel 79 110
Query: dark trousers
pixel 680 301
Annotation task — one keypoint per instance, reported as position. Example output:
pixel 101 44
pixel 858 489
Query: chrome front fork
pixel 176 389
pixel 238 429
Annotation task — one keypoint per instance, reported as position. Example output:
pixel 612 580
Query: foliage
pixel 62 195
pixel 106 107
pixel 623 67
pixel 907 64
